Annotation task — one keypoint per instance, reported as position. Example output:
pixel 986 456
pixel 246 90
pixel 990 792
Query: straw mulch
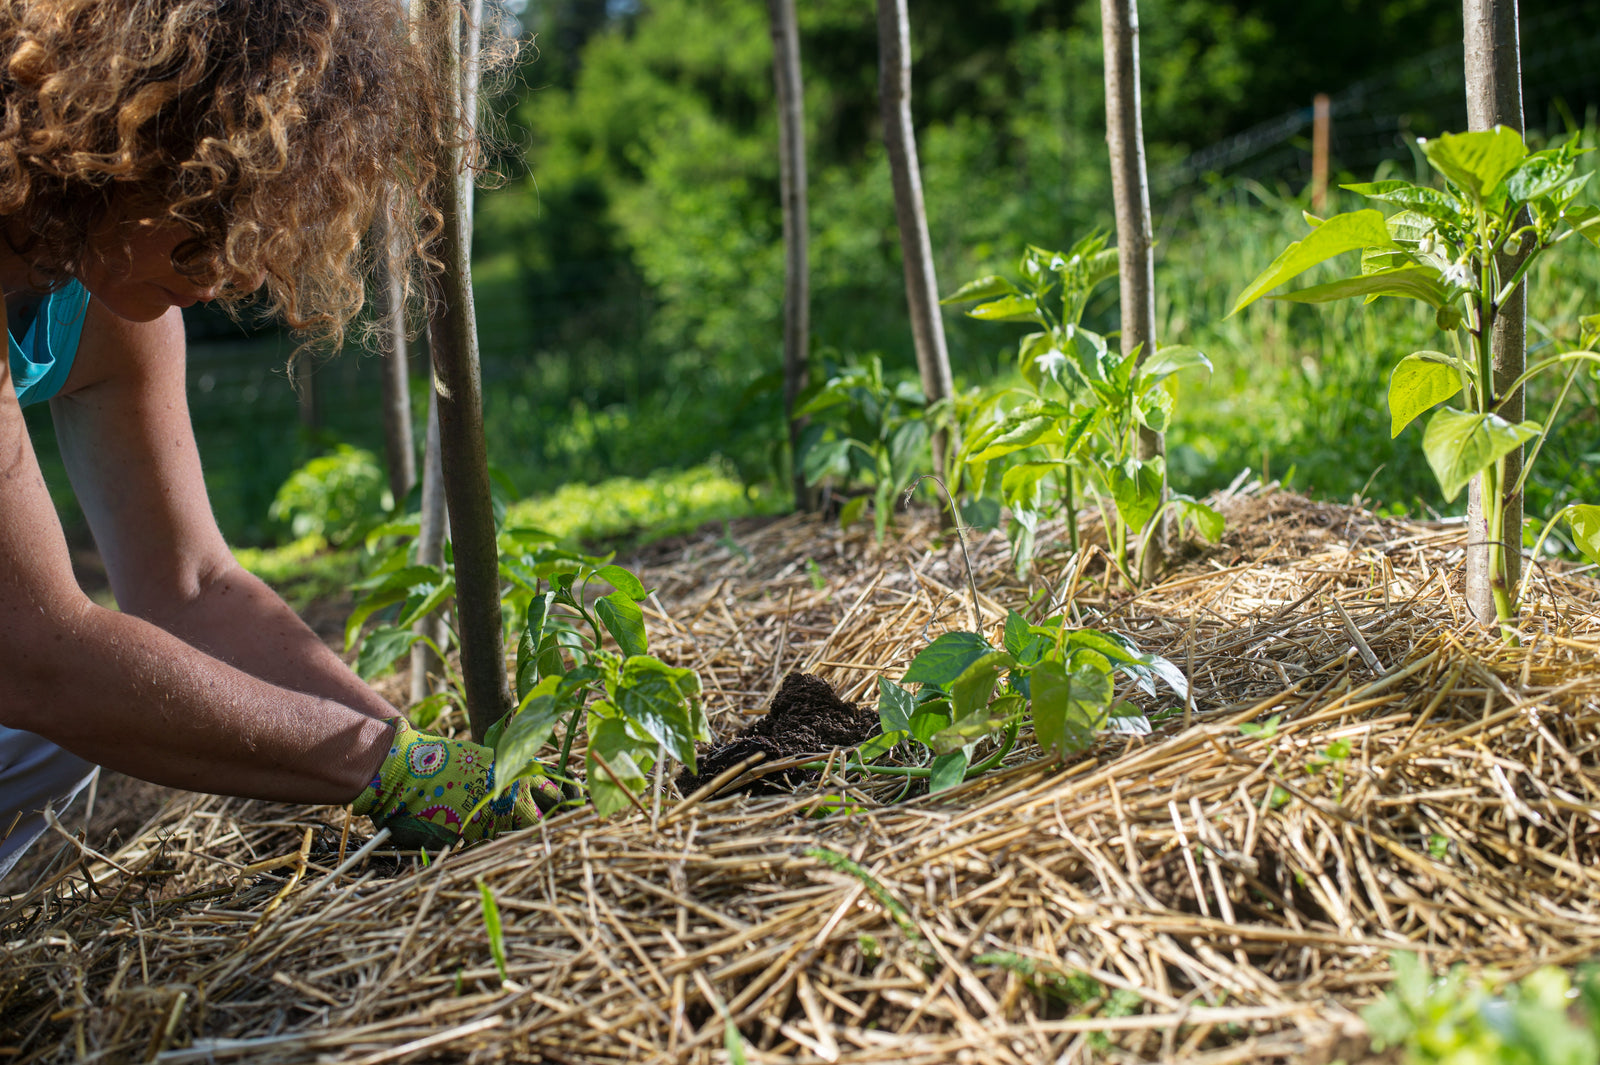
pixel 1198 895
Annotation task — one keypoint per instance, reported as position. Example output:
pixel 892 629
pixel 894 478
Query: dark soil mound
pixel 805 717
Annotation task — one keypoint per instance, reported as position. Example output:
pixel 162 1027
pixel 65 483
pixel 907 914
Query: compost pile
pixel 1201 894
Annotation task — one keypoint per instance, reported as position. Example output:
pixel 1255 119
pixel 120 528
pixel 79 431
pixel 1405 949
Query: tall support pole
pixel 796 227
pixel 1494 98
pixel 453 337
pixel 1130 189
pixel 916 248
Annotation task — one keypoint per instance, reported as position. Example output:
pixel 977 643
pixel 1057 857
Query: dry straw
pixel 1230 897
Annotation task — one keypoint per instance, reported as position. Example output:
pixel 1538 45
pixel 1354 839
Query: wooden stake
pixel 458 384
pixel 1130 189
pixel 796 228
pixel 1494 98
pixel 916 247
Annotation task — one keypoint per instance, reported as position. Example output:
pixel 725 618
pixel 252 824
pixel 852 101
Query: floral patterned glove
pixel 427 787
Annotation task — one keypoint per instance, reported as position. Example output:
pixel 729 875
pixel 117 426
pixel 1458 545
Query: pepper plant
pixel 1060 680
pixel 1441 247
pixel 634 707
pixel 1070 431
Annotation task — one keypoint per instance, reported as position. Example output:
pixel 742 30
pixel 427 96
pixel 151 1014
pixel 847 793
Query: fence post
pixel 1319 152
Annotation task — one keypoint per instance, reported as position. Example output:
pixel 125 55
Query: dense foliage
pixel 646 231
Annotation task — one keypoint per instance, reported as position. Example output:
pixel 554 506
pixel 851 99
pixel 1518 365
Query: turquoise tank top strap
pixel 42 359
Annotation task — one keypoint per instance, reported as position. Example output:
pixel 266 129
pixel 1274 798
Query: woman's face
pixel 129 268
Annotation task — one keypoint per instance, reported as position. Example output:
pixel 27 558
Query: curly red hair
pixel 271 128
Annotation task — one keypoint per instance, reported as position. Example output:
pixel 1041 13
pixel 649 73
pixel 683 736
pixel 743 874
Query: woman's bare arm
pixel 117 689
pixel 123 423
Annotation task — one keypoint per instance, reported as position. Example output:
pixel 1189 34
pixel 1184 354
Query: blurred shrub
pixel 333 496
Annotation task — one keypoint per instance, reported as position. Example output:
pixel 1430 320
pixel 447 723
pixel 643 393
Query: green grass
pixel 639 509
pixel 619 510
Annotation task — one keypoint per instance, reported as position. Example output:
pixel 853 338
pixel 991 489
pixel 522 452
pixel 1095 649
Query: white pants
pixel 34 773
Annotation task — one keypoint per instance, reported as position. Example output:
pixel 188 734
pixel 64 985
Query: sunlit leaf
pixel 983 288
pixel 946 658
pixel 1459 445
pixel 1583 520
pixel 1007 309
pixel 624 582
pixel 1339 234
pixel 1136 490
pixel 1068 707
pixel 1478 161
pixel 1419 382
pixel 1411 282
pixel 1170 360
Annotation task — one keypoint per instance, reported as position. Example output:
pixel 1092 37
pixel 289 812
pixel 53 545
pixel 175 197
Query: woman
pixel 155 154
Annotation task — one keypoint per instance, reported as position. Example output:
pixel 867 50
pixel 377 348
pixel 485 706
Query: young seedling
pixel 1072 430
pixel 1059 680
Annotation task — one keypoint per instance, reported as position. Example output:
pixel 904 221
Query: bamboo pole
pixel 796 228
pixel 458 386
pixel 1130 187
pixel 1494 97
pixel 916 247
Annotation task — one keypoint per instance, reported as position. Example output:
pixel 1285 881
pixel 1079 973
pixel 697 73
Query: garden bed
pixel 1206 893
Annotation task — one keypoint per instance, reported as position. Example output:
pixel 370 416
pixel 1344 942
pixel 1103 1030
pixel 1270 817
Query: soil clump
pixel 805 717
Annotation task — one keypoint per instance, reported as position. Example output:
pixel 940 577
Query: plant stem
pixel 1544 433
pixel 568 790
pixel 998 756
pixel 1069 499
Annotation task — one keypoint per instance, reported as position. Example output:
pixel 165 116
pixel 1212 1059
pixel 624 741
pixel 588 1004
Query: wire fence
pixel 1379 118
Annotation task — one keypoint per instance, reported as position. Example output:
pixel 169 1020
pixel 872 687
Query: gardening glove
pixel 426 789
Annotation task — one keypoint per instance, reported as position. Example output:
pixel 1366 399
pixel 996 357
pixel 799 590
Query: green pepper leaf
pixel 1339 234
pixel 609 740
pixel 895 706
pixel 1410 282
pixel 946 658
pixel 983 288
pixel 948 770
pixel 1478 161
pixel 1136 490
pixel 1458 445
pixel 1068 707
pixel 623 618
pixel 1420 381
pixel 1584 521
pixel 380 649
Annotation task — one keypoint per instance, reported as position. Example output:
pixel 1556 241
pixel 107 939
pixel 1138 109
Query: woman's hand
pixel 428 790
